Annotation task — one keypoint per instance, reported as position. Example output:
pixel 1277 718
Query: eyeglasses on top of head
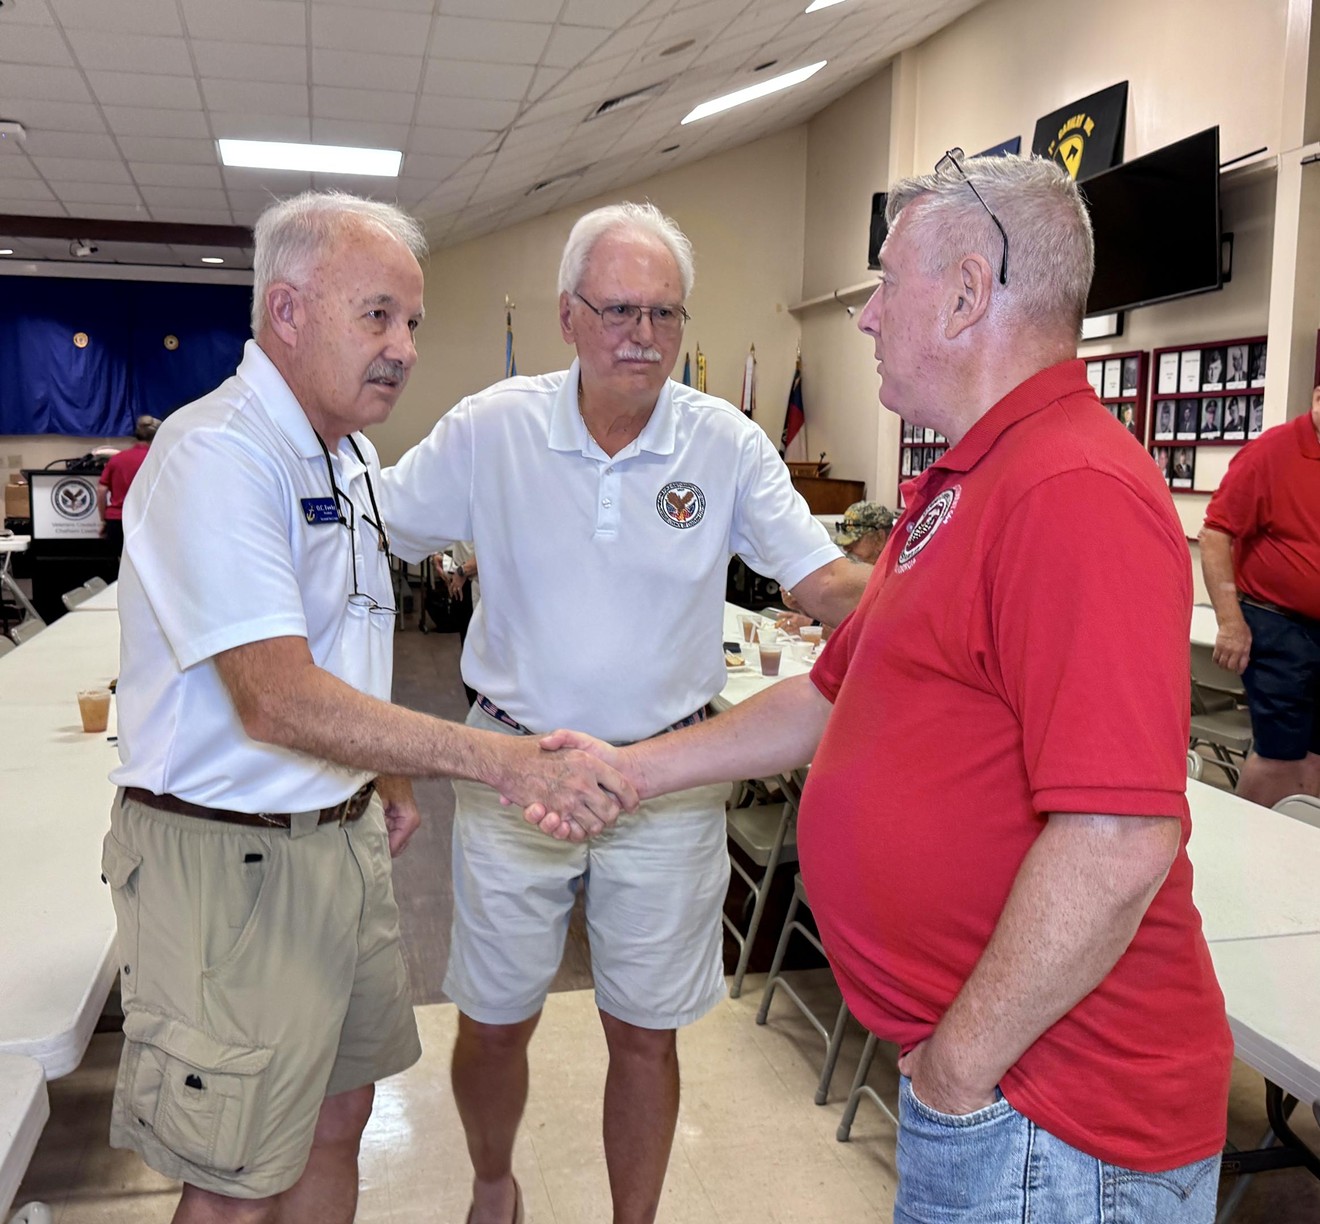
pixel 951 162
pixel 619 315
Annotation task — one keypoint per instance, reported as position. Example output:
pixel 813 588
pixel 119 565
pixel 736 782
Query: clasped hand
pixel 574 786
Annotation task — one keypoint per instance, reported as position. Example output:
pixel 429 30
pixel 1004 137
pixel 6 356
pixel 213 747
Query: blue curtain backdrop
pixel 51 385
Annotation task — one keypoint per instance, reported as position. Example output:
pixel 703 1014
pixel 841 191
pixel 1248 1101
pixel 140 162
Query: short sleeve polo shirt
pixel 1022 650
pixel 1269 502
pixel 603 578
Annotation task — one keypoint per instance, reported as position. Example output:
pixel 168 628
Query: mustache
pixel 635 352
pixel 382 367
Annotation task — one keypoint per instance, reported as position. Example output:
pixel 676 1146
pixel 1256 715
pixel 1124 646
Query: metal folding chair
pixel 1218 720
pixel 26 630
pixel 833 1037
pixel 767 834
pixel 73 598
pixel 96 584
pixel 1305 808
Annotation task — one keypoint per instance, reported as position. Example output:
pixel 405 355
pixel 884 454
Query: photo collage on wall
pixel 1205 394
pixel 921 447
pixel 1120 381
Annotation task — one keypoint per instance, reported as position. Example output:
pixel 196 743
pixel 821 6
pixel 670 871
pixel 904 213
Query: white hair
pixel 1051 255
pixel 645 219
pixel 293 234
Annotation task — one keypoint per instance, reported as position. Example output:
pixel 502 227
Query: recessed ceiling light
pixel 212 259
pixel 820 4
pixel 752 92
pixel 6 250
pixel 319 159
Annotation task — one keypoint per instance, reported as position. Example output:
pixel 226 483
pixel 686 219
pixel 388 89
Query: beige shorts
pixel 655 886
pixel 261 972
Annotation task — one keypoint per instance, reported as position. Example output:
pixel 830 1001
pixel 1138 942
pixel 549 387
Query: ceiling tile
pixel 140 17
pixel 71 144
pixel 280 182
pixel 627 38
pixel 470 79
pixel 81 170
pixel 502 10
pixel 142 89
pixel 359 134
pixel 364 70
pixel 28 12
pixel 147 121
pixel 16 166
pixel 482 114
pixel 272 21
pixel 24 81
pixel 32 208
pixel 613 13
pixel 98 193
pixel 447 141
pixel 371 105
pixel 239 61
pixel 131 52
pixel 169 149
pixel 570 45
pixel 265 126
pixel 428 166
pixel 192 216
pixel 55 116
pixel 24 189
pixel 24 44
pixel 342 28
pixel 497 42
pixel 545 80
pixel 163 174
pixel 254 97
pixel 183 197
pixel 109 212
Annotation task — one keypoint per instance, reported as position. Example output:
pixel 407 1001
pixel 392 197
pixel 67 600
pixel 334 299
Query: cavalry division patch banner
pixel 1085 137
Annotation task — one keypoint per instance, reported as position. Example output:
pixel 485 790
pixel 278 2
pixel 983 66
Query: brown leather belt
pixel 342 813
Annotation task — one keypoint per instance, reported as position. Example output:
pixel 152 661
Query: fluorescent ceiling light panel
pixel 319 159
pixel 820 4
pixel 752 92
pixel 6 251
pixel 212 259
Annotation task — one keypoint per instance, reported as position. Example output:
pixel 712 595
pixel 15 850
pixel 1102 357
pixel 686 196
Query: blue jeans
pixel 996 1167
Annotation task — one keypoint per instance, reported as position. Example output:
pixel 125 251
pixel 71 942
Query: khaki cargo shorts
pixel 261 972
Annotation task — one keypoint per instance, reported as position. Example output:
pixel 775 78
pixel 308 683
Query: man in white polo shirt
pixel 604 503
pixel 263 981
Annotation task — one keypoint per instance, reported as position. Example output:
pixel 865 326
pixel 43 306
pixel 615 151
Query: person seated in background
pixel 861 534
pixel 117 475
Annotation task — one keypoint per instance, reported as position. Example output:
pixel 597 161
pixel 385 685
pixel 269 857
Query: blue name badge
pixel 320 510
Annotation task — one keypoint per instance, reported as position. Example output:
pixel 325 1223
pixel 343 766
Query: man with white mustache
pixel 604 502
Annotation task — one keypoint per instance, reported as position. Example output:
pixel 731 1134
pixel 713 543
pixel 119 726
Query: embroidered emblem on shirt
pixel 680 504
pixel 939 512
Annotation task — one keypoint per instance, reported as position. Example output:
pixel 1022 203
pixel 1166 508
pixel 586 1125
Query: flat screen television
pixel 1156 224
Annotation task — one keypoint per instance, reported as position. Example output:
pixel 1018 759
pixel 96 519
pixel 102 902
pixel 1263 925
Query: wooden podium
pixel 825 495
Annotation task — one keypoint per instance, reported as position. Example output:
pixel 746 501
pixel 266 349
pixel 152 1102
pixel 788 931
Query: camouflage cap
pixel 862 518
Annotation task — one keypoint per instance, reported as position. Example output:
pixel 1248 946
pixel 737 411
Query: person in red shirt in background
pixel 1260 554
pixel 993 834
pixel 117 475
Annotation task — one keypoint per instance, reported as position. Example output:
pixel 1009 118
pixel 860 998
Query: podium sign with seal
pixel 63 506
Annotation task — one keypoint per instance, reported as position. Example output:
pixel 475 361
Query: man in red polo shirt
pixel 117 476
pixel 1260 553
pixel 994 832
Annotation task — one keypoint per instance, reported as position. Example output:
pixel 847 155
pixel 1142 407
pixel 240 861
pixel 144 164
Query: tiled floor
pixel 752 1148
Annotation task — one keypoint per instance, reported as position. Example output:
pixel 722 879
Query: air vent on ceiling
pixel 558 179
pixel 623 101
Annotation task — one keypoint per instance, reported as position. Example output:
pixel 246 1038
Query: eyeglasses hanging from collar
pixel 347 513
pixel 951 163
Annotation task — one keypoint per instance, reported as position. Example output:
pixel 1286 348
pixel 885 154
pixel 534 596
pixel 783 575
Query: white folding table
pixel 9 545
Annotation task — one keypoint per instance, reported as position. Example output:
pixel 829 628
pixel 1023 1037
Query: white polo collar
pixel 568 431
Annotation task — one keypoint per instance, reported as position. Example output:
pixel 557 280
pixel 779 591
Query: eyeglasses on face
pixel 622 315
pixel 951 163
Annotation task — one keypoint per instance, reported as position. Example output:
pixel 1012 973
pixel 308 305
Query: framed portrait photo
pixel 905 468
pixel 1164 412
pixel 1163 457
pixel 1188 415
pixel 1212 428
pixel 1256 369
pixel 1235 418
pixel 1212 369
pixel 1235 368
pixel 1255 416
pixel 1183 467
pixel 1131 367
